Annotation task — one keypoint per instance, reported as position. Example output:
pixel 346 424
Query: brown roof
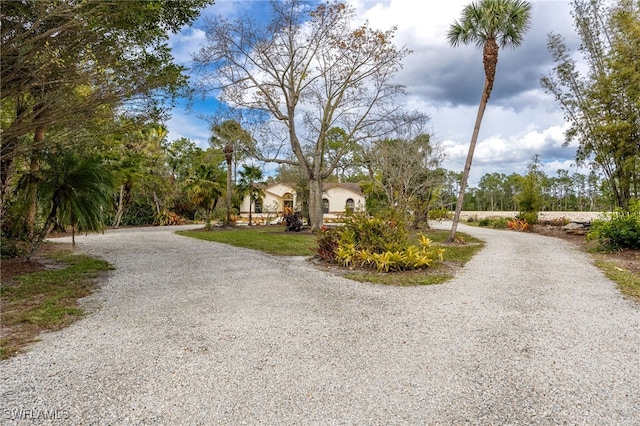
pixel 351 186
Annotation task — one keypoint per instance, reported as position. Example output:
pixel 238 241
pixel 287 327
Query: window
pixel 350 205
pixel 257 205
pixel 287 198
pixel 325 205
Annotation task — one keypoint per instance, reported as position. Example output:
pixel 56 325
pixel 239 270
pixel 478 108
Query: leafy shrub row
pixel 521 223
pixel 376 243
pixel 518 225
pixel 618 230
pixel 495 222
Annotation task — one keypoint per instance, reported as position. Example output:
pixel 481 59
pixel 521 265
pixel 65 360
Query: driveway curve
pixel 188 332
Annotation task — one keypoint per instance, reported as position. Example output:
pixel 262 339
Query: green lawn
pixel 269 239
pixel 628 282
pixel 46 300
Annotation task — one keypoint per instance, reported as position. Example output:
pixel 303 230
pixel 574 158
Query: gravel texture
pixel 188 332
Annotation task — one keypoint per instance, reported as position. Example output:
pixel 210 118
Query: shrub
pixel 293 221
pixel 500 222
pixel 439 214
pixel 495 222
pixel 327 244
pixel 559 221
pixel 518 225
pixel 10 249
pixel 168 218
pixel 376 234
pixel 619 230
pixel 530 217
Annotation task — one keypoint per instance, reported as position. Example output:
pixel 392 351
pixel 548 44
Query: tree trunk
pixel 32 193
pixel 315 204
pixel 250 207
pixel 156 201
pixel 228 154
pixel 490 62
pixel 467 164
pixel 122 201
pixel 228 200
pixel 7 154
pixel 45 229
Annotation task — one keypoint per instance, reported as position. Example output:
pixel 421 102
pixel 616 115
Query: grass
pixel 45 300
pixel 274 240
pixel 628 282
pixel 269 239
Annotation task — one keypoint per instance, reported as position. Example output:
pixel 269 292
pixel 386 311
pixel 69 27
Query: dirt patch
pixel 10 268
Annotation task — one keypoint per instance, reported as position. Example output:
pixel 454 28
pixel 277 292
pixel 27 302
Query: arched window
pixel 287 198
pixel 257 205
pixel 350 205
pixel 325 205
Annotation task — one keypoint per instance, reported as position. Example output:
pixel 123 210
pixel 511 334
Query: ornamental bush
pixel 618 230
pixel 376 243
pixel 495 222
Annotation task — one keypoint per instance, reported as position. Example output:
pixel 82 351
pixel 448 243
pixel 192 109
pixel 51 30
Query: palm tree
pixel 490 25
pixel 79 192
pixel 249 176
pixel 229 136
pixel 203 189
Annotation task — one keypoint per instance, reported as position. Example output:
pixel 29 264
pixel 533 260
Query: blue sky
pixel 443 82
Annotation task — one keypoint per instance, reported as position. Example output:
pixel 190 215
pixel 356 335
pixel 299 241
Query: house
pixel 336 199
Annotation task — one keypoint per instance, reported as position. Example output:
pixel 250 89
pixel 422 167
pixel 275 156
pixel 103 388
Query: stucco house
pixel 336 199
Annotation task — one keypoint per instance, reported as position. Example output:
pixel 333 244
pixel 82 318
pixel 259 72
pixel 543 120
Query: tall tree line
pixel 559 192
pixel 77 77
pixel 602 103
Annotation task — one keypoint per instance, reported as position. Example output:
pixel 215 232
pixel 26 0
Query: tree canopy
pixel 310 70
pixel 602 103
pixel 71 71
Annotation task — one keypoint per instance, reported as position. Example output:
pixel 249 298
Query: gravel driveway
pixel 189 332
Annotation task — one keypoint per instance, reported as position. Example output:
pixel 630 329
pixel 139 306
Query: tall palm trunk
pixel 45 229
pixel 228 155
pixel 32 185
pixel 490 61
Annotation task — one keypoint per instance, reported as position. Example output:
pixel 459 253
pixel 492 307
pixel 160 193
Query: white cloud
pixel 184 124
pixel 185 43
pixel 445 83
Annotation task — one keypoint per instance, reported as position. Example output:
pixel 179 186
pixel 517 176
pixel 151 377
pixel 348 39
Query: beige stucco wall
pixel 273 205
pixel 338 200
pixel 272 200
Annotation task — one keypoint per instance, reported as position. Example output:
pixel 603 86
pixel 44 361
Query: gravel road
pixel 188 332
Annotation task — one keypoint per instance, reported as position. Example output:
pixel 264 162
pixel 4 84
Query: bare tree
pixel 309 70
pixel 404 169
